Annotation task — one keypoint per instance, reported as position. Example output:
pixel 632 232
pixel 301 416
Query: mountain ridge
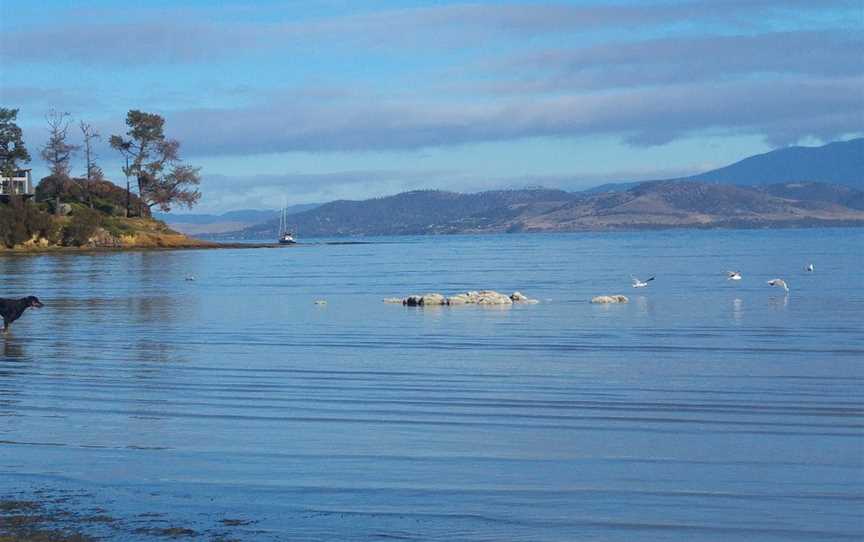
pixel 780 188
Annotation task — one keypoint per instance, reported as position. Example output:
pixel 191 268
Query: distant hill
pixel 841 162
pixel 203 224
pixel 689 204
pixel 652 205
pixel 417 212
pixel 243 215
pixel 791 187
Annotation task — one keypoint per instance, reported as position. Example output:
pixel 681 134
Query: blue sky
pixel 317 100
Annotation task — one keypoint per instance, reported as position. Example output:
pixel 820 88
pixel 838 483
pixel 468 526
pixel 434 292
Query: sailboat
pixel 286 236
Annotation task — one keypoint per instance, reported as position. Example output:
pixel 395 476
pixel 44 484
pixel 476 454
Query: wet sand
pixel 59 516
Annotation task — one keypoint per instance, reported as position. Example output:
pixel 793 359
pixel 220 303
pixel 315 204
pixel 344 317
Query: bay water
pixel 235 406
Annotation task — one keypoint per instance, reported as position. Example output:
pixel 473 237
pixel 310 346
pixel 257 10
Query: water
pixel 702 410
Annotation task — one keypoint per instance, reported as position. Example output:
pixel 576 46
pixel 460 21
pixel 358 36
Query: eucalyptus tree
pixel 162 178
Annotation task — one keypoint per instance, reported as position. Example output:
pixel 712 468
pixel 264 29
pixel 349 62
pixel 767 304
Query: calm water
pixel 702 410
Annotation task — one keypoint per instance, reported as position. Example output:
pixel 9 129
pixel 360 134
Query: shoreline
pixel 24 251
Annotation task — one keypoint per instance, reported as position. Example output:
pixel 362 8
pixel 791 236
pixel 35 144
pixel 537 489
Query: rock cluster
pixel 483 297
pixel 602 299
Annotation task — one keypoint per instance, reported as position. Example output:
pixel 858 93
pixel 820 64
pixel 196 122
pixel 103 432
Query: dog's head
pixel 34 302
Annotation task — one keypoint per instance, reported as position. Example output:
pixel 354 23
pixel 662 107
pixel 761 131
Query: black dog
pixel 12 309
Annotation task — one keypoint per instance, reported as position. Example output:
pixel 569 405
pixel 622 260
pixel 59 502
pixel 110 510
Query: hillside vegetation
pixel 79 213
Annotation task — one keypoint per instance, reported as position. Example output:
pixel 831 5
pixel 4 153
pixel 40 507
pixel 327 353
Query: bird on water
pixel 780 283
pixel 639 283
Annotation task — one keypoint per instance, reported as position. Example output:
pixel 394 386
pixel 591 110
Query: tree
pixel 94 172
pixel 125 148
pixel 12 150
pixel 175 187
pixel 57 152
pixel 162 178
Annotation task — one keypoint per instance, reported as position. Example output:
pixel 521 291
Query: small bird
pixel 640 284
pixel 780 283
pixel 809 268
pixel 190 278
pixel 733 275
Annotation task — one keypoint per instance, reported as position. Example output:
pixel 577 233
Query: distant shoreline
pixel 343 239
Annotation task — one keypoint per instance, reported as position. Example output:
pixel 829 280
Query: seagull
pixel 638 283
pixel 809 267
pixel 780 283
pixel 733 275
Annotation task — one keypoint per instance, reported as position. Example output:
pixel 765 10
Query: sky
pixel 315 100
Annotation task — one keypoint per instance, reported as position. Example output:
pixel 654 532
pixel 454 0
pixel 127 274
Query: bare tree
pixel 56 151
pixel 94 172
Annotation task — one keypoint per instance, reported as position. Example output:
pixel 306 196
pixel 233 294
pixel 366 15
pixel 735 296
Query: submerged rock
pixel 603 299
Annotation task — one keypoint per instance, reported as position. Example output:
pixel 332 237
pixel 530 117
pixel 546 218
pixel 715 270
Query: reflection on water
pixel 236 396
pixel 779 302
pixel 737 309
pixel 12 349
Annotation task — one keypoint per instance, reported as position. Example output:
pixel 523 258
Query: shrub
pixel 22 220
pixel 117 228
pixel 102 194
pixel 81 228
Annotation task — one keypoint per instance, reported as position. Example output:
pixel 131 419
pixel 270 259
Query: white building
pixel 19 184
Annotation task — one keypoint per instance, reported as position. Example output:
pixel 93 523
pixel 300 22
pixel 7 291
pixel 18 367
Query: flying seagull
pixel 733 275
pixel 780 283
pixel 809 267
pixel 638 283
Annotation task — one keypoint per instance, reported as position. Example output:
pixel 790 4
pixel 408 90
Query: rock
pixel 102 239
pixel 603 299
pixel 489 297
pixel 484 297
pixel 433 299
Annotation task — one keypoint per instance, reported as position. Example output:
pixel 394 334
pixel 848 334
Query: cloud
pixel 642 116
pixel 61 98
pixel 686 59
pixel 178 36
pixel 126 43
pixel 223 192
